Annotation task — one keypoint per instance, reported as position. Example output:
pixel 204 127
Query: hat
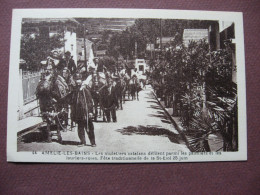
pixel 67 53
pixel 66 70
pixel 78 76
pixel 91 66
pixel 95 58
pixel 54 54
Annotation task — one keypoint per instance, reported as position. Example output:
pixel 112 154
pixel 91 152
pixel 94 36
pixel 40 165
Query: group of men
pixel 82 104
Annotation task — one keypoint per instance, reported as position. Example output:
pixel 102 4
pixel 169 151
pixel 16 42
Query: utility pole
pixel 151 51
pixel 63 30
pixel 161 34
pixel 135 49
pixel 85 52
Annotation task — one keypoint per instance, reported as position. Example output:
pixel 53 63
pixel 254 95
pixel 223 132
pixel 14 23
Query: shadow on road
pixel 70 143
pixel 150 96
pixel 152 101
pixel 152 131
pixel 162 116
pixel 155 107
pixel 39 135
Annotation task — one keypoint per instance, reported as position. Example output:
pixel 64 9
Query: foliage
pixel 198 78
pixel 146 31
pixel 219 74
pixel 222 98
pixel 125 43
pixel 36 48
pixel 109 62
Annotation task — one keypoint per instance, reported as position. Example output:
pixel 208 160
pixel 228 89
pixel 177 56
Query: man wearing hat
pixel 82 111
pixel 98 65
pixel 110 101
pixel 67 62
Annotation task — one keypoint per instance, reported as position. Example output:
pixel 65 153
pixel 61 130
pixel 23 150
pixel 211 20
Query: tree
pixel 198 77
pixel 35 49
pixel 109 63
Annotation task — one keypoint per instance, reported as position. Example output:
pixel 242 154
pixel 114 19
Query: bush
pixel 201 81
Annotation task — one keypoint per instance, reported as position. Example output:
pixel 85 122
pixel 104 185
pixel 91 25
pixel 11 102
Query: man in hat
pixel 82 112
pixel 109 101
pixel 67 62
pixel 98 65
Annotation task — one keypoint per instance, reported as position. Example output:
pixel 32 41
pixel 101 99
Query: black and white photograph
pixel 122 86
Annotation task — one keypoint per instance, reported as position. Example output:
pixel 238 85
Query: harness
pixel 95 79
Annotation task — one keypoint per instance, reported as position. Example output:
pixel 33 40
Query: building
pixel 195 35
pixel 97 25
pixel 228 41
pixel 100 53
pixel 81 52
pixel 164 42
pixel 141 66
pixel 219 35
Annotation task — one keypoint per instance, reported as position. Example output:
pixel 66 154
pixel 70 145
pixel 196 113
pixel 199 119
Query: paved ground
pixel 141 126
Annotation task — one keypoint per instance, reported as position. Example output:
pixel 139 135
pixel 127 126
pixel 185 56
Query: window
pixel 141 68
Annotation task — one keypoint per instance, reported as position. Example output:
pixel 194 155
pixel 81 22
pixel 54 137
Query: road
pixel 141 126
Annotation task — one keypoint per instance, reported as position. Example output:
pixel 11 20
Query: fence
pixel 30 81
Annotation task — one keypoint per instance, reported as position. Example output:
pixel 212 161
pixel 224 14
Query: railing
pixel 30 81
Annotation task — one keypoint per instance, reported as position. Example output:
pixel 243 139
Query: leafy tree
pixel 109 63
pixel 106 35
pixel 37 48
pixel 191 72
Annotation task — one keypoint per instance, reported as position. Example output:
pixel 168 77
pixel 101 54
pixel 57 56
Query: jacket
pixel 82 104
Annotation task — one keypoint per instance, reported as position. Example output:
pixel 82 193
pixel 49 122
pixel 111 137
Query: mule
pixel 134 88
pixel 53 93
pixel 120 90
pixel 96 82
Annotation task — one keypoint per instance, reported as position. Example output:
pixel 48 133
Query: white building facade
pixel 81 52
pixel 140 66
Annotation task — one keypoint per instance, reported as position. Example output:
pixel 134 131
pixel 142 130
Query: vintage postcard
pixel 126 86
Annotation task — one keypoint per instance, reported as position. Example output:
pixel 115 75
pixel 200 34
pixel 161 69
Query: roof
pixel 101 52
pixel 49 20
pixel 111 24
pixel 224 25
pixel 194 35
pixel 165 39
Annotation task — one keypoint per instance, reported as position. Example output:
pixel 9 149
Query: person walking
pixel 82 112
pixel 109 101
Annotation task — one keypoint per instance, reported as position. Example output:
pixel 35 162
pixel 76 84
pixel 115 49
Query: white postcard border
pixel 18 14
